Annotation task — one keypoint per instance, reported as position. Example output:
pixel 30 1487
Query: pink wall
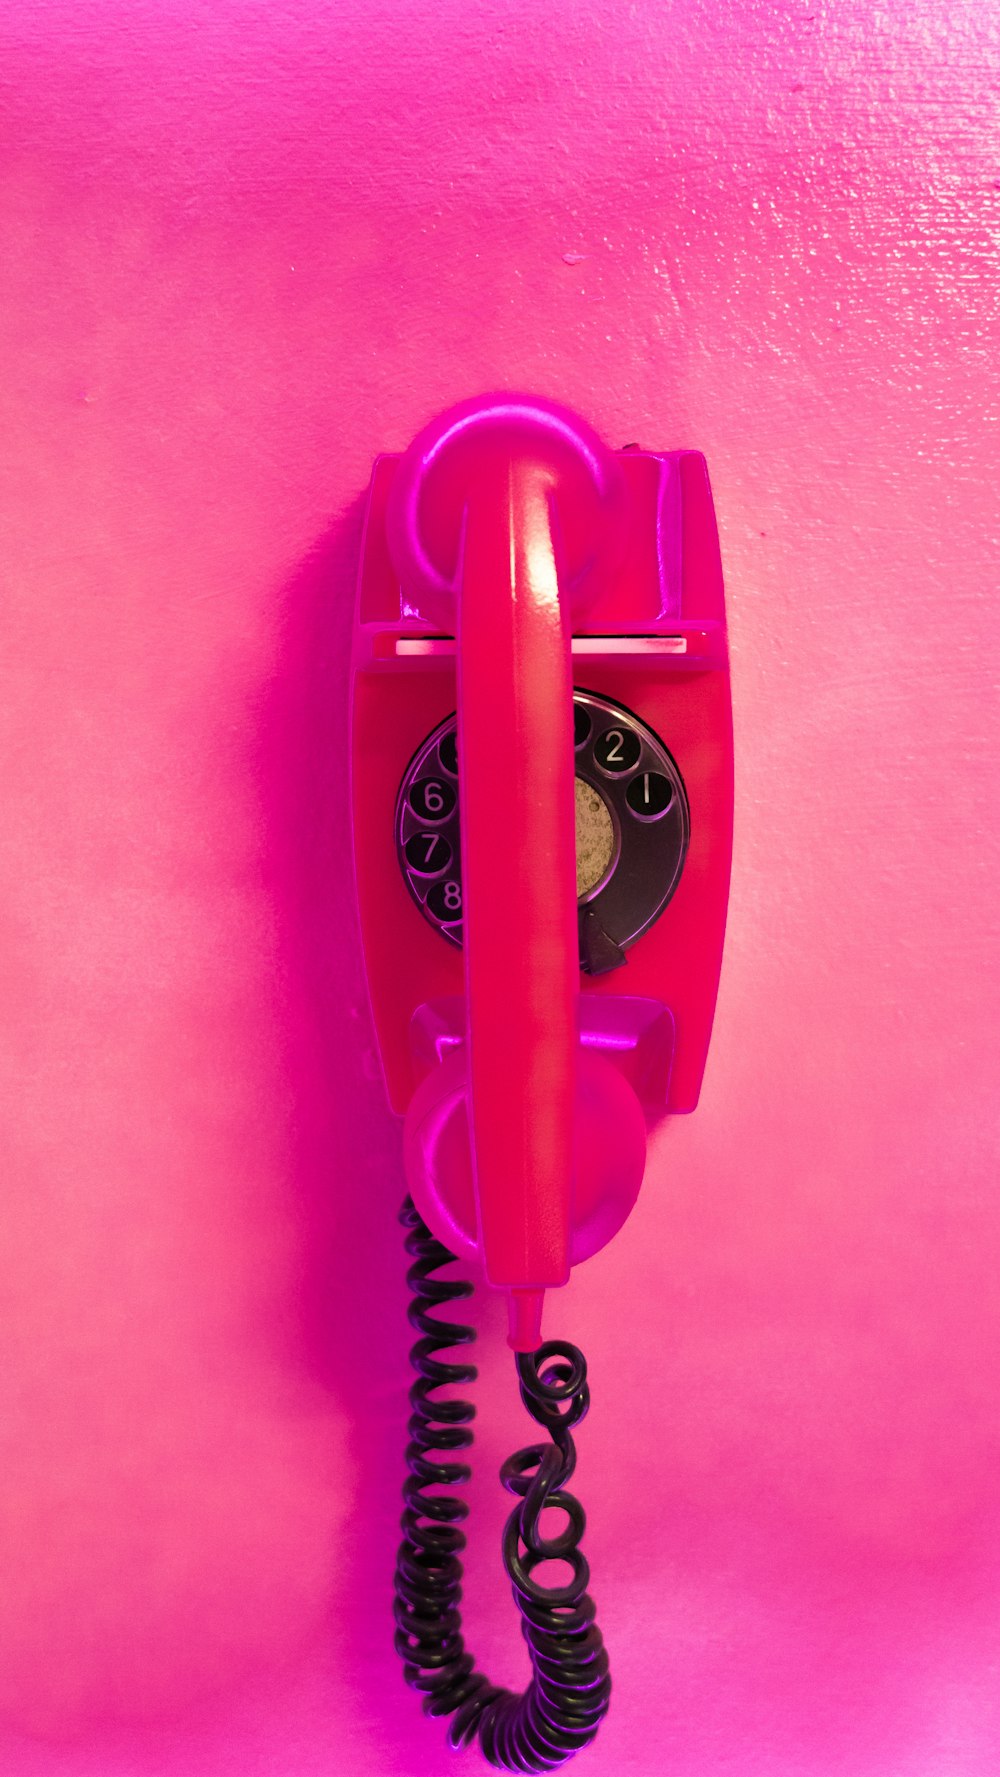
pixel 245 247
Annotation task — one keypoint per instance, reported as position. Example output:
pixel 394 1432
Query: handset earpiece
pixel 502 516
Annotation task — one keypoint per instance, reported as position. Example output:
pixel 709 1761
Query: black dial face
pixel 632 828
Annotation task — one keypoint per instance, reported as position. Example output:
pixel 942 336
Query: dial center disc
pixel 595 838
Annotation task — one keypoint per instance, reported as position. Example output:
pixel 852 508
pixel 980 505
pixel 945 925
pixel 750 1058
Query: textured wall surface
pixel 246 246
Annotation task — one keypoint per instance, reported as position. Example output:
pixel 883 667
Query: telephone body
pixel 646 714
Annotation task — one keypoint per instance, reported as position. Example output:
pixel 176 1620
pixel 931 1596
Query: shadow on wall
pixel 196 1543
pixel 347 1146
pixel 347 1181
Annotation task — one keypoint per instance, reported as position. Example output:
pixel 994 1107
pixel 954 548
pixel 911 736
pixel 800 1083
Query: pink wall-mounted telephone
pixel 542 793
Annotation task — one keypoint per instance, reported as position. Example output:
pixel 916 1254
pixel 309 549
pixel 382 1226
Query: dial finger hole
pixel 617 750
pixel 432 799
pixel 428 854
pixel 448 752
pixel 649 795
pixel 445 901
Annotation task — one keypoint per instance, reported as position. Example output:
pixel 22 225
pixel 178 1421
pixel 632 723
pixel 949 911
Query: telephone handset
pixel 542 790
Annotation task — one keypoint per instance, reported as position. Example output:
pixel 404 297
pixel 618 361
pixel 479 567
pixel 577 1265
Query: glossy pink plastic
pixel 507 547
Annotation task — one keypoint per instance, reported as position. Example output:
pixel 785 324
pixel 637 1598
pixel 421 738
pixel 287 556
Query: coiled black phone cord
pixel 567 1698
